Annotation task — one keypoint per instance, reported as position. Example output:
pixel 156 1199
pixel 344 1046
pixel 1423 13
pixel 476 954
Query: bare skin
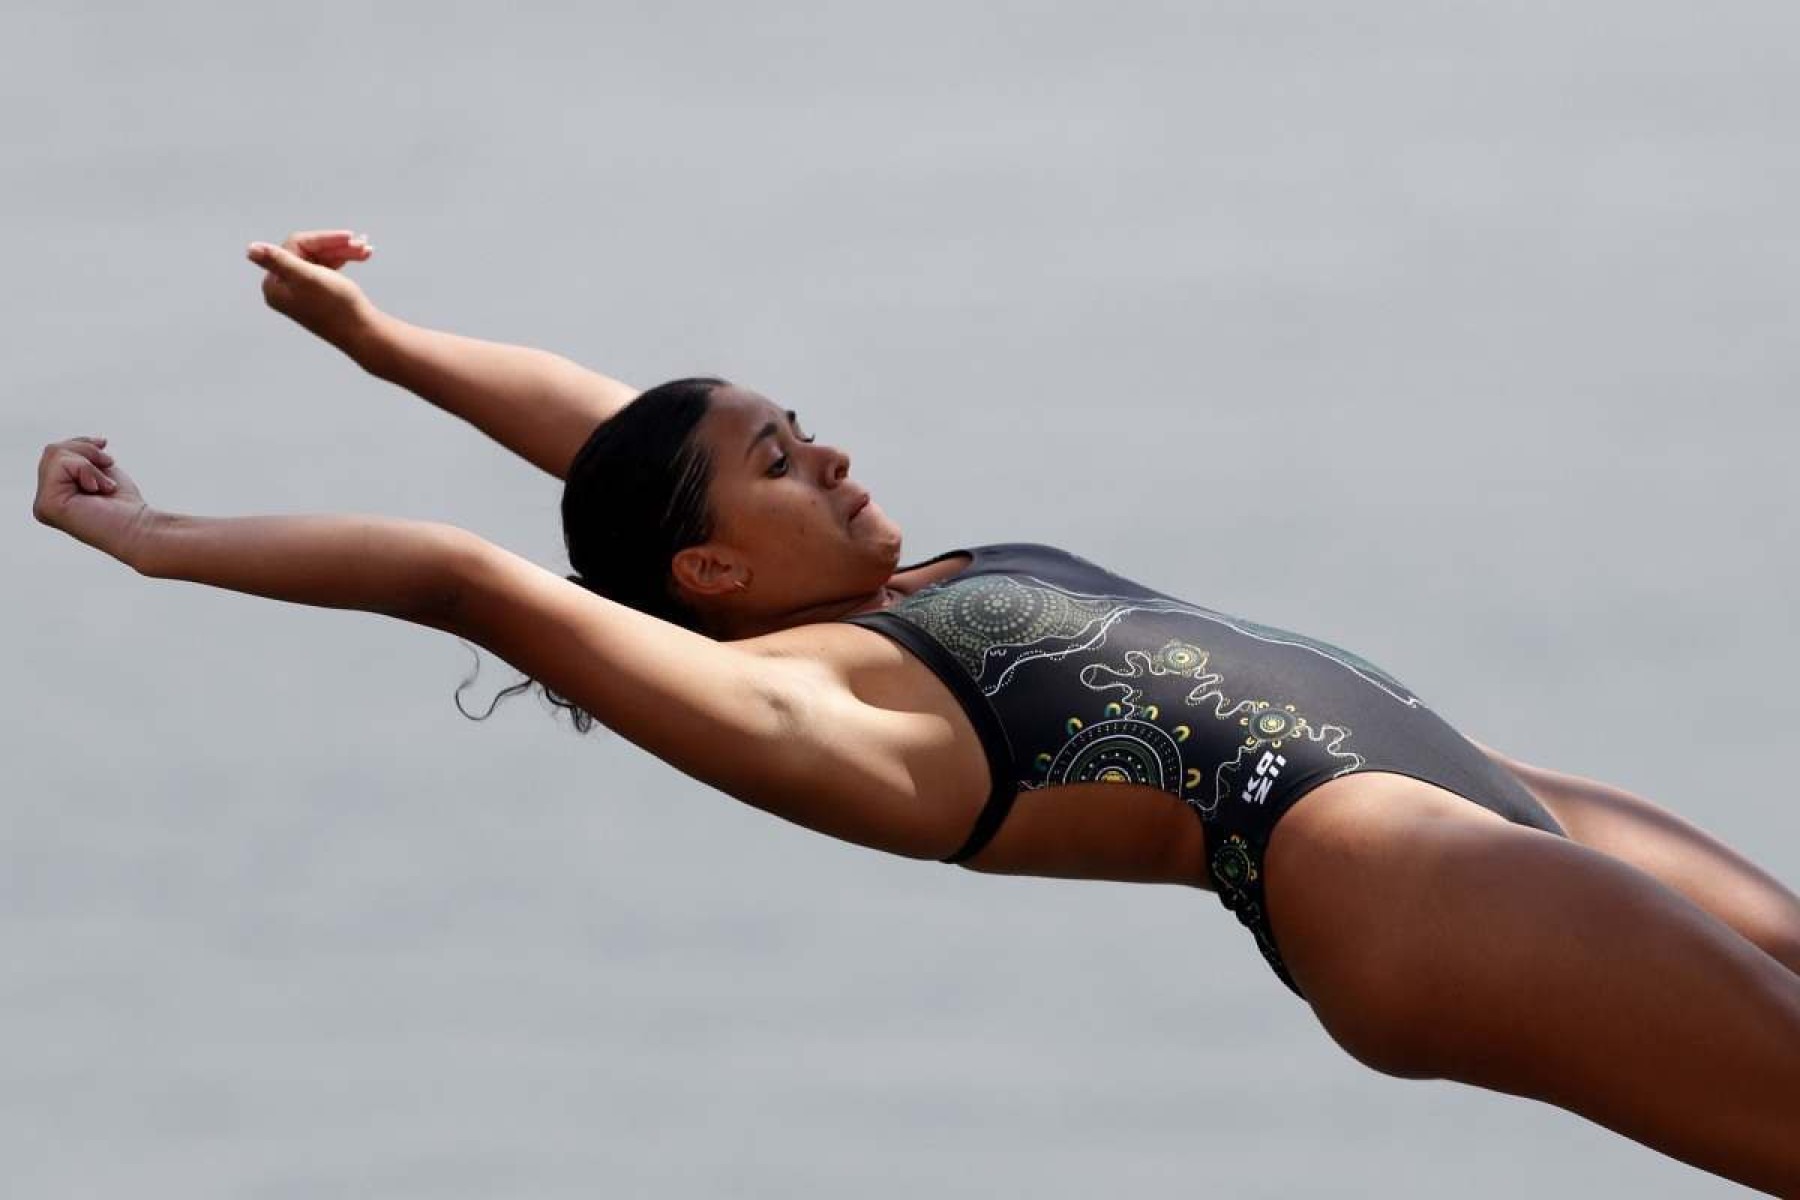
pixel 1637 973
pixel 1647 981
pixel 1436 940
pixel 1673 851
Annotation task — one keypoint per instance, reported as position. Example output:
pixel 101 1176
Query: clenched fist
pixel 82 491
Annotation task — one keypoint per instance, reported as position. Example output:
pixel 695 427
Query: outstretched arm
pixel 539 405
pixel 772 730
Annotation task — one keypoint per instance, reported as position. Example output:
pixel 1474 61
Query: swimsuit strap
pixel 993 815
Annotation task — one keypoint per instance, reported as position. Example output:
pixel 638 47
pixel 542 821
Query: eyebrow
pixel 769 430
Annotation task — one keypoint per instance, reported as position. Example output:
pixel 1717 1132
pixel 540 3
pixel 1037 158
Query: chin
pixel 882 533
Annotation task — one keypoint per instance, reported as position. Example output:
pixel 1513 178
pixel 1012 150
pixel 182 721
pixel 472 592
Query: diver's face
pixel 787 516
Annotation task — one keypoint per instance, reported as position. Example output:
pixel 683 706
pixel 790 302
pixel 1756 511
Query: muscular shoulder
pixel 874 718
pixel 865 663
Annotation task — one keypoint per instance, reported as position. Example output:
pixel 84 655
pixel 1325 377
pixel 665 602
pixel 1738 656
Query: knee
pixel 1773 928
pixel 1784 947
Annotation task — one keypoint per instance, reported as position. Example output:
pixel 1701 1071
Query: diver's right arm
pixel 539 405
pixel 772 730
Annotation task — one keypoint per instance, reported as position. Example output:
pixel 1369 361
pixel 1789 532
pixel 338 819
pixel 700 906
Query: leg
pixel 1434 939
pixel 1699 866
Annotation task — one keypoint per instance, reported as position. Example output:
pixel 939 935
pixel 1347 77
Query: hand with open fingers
pixel 303 279
pixel 82 491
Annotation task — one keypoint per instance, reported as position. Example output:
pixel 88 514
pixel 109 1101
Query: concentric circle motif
pixel 1118 751
pixel 1234 866
pixel 1273 723
pixel 1179 658
pixel 1266 723
pixel 1001 610
pixel 988 621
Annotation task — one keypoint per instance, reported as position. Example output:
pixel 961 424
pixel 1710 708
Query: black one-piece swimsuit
pixel 1072 674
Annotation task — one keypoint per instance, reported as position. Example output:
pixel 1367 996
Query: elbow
pixel 455 566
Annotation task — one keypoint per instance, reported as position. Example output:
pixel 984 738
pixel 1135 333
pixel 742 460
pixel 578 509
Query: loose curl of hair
pixel 635 494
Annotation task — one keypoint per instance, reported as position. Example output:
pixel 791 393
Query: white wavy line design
pixel 1207 685
pixel 1128 605
pixel 1207 690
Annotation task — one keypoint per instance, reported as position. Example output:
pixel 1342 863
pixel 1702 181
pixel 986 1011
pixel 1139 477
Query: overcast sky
pixel 1463 335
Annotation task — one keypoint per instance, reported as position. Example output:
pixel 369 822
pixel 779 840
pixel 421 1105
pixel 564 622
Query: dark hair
pixel 635 494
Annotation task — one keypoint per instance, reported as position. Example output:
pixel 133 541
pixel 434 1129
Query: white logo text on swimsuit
pixel 1267 768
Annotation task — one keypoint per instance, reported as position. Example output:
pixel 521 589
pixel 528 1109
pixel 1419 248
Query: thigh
pixel 1676 852
pixel 1435 939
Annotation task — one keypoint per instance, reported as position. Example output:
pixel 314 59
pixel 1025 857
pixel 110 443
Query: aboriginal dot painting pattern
pixel 986 616
pixel 1072 674
pixel 1170 695
pixel 1149 702
pixel 1160 711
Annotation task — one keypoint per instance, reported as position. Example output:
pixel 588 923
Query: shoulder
pixel 889 760
pixel 852 656
pixel 861 678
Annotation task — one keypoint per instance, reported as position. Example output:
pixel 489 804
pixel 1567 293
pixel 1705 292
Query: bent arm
pixel 539 405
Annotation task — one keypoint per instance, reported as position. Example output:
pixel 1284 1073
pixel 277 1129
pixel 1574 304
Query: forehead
pixel 737 406
pixel 737 420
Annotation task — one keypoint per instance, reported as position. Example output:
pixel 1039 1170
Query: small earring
pixel 742 586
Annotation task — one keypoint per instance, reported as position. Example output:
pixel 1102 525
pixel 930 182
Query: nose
pixel 837 463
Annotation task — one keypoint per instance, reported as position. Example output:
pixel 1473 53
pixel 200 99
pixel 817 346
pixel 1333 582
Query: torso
pixel 1134 735
pixel 1016 708
pixel 1115 831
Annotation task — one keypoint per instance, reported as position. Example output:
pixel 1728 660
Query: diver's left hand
pixel 304 280
pixel 84 493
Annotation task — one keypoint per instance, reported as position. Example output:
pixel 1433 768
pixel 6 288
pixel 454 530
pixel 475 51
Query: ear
pixel 706 570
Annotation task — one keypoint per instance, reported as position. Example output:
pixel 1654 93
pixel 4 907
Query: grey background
pixel 1462 334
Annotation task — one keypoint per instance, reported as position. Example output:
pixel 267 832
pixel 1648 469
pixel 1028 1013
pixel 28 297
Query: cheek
pixel 808 528
pixel 787 526
pixel 807 513
pixel 781 524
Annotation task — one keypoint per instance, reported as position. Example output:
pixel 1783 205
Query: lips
pixel 856 506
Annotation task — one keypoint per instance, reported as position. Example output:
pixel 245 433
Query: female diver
pixel 739 611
